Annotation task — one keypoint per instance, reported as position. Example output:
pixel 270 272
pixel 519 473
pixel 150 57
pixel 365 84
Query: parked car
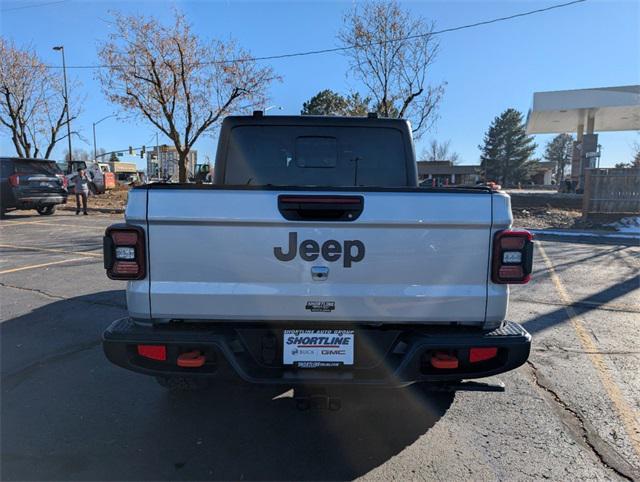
pixel 31 184
pixel 317 260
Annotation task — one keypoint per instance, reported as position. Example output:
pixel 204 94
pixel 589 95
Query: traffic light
pixel 142 151
pixel 130 151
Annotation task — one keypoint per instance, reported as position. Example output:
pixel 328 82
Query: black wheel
pixel 183 384
pixel 93 189
pixel 46 210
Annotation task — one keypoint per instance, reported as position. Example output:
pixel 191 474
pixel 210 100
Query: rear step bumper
pixel 392 356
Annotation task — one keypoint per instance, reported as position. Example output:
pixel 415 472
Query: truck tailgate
pixel 424 257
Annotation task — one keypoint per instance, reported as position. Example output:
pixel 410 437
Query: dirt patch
pixel 554 218
pixel 112 199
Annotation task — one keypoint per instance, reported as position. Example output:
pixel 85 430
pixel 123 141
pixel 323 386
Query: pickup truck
pixel 315 259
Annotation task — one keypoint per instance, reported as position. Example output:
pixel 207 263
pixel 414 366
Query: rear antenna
pixel 258 113
pixel 372 115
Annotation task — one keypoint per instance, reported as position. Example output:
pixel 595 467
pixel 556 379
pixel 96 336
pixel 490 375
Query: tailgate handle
pixel 320 208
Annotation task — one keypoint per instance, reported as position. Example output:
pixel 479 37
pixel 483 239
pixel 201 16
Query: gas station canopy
pixel 602 109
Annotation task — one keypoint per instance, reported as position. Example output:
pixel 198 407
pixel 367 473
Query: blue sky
pixel 488 69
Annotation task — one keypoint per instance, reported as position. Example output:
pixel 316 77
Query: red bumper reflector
pixel 154 352
pixel 444 361
pixel 191 359
pixel 482 354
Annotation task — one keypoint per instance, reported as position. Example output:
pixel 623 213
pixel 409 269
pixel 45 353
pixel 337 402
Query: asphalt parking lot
pixel 67 414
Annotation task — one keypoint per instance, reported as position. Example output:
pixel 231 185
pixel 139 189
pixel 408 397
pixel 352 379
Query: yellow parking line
pixel 45 223
pixel 52 250
pixel 17 223
pixel 81 226
pixel 628 416
pixel 34 266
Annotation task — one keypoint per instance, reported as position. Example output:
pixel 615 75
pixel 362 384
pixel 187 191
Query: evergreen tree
pixel 506 153
pixel 559 150
pixel 328 102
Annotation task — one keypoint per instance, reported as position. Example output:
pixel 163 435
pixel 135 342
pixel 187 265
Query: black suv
pixel 31 184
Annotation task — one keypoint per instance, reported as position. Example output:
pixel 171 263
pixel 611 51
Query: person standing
pixel 81 181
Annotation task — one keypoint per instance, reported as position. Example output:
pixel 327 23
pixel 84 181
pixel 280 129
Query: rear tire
pixel 46 210
pixel 183 384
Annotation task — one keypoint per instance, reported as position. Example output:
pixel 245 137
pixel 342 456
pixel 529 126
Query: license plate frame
pixel 318 348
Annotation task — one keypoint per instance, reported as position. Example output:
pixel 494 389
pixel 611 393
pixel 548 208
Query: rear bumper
pixel 34 201
pixel 391 356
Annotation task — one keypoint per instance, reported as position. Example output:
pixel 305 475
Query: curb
pixel 603 236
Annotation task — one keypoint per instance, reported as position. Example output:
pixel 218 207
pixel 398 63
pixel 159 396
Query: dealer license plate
pixel 318 348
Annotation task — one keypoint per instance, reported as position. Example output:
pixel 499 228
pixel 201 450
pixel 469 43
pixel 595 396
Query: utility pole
pixel 60 48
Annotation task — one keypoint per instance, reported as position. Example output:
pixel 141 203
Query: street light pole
pixel 95 151
pixel 60 48
pixel 267 109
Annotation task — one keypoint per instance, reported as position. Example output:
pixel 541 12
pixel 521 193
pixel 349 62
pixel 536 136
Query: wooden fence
pixel 611 191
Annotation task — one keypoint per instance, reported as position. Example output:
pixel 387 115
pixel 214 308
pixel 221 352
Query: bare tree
pixel 437 151
pixel 182 85
pixel 78 155
pixel 635 147
pixel 392 54
pixel 32 102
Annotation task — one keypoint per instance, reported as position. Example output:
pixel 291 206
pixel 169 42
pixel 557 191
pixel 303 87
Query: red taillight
pixel 125 267
pixel 510 272
pixel 64 180
pixel 14 180
pixel 124 238
pixel 512 257
pixel 153 352
pixel 124 252
pixel 477 355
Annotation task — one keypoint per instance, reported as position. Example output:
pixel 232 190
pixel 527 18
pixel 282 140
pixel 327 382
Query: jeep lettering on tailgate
pixel 331 250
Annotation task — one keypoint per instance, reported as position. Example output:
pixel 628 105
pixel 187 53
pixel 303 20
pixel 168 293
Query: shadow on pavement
pixel 67 414
pixel 607 239
pixel 583 305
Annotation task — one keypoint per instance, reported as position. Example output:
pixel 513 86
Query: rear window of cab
pixel 26 166
pixel 328 156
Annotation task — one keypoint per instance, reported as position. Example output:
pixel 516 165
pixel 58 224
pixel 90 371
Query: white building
pixel 165 162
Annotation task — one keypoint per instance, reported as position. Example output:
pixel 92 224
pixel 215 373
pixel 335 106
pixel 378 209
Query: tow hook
pixel 191 359
pixel 444 361
pixel 315 399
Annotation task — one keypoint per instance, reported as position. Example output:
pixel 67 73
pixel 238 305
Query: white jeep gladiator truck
pixel 314 258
